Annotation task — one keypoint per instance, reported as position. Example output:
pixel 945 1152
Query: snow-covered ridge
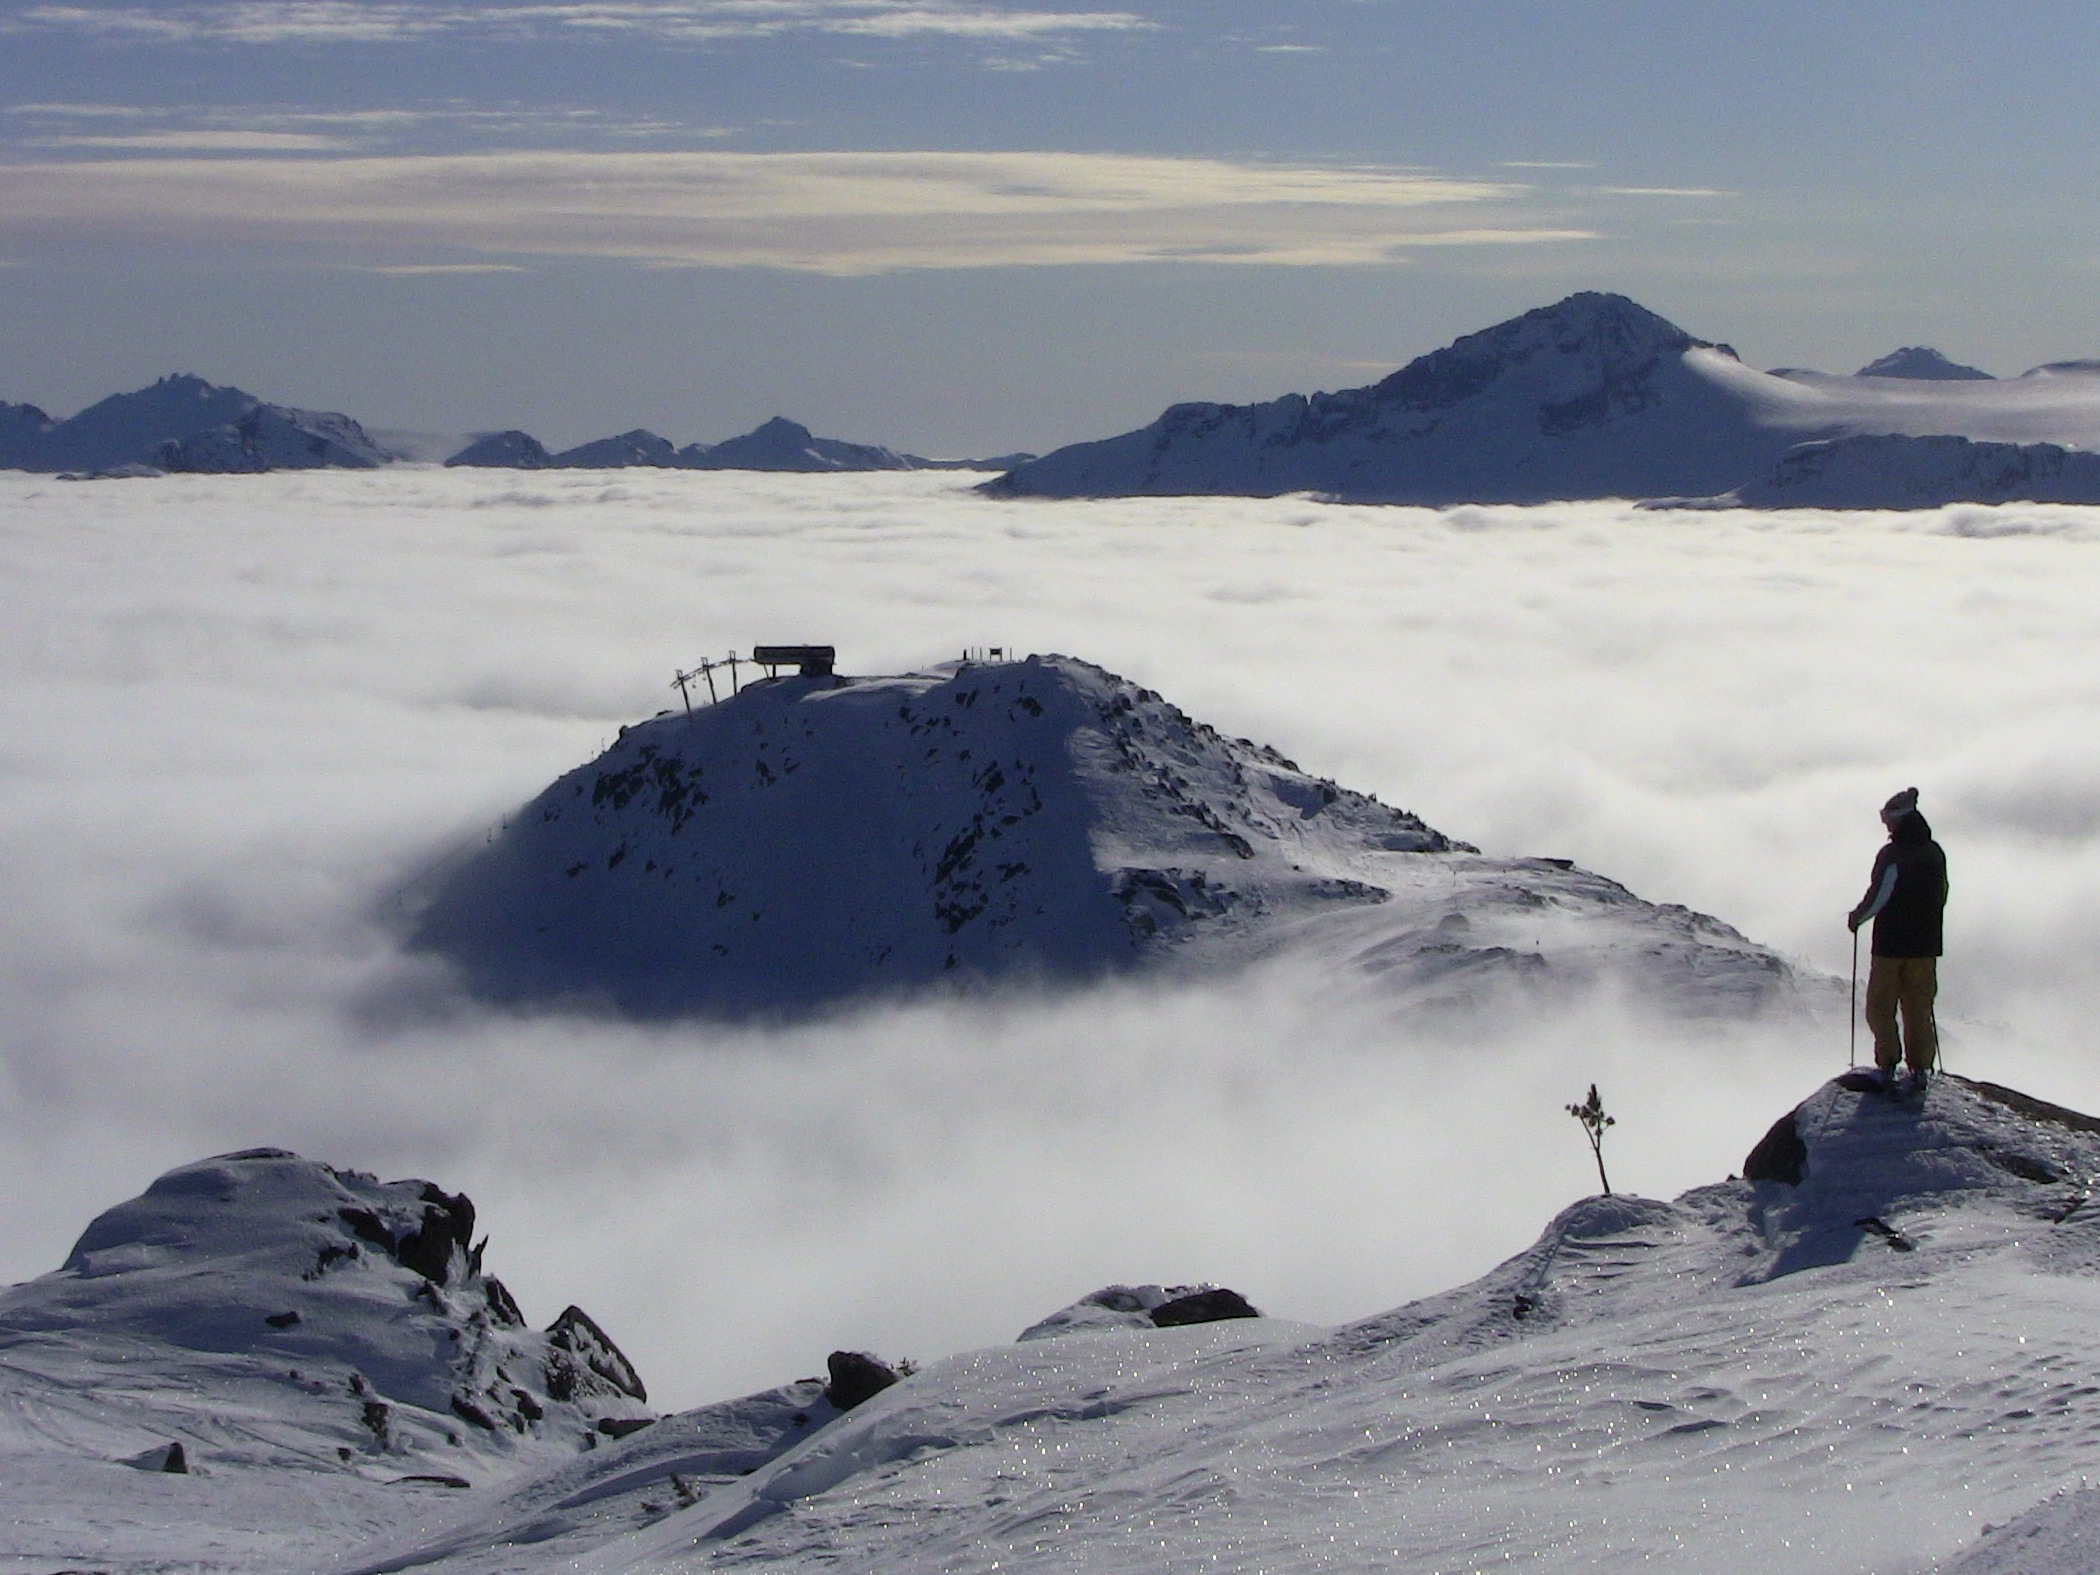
pixel 261 1308
pixel 1899 472
pixel 812 841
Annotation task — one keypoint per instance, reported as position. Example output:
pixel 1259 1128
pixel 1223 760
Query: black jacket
pixel 1907 924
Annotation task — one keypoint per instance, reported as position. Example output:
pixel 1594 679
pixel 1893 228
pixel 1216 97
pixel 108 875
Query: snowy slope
pixel 1874 1355
pixel 815 840
pixel 1858 1372
pixel 261 1309
pixel 1897 472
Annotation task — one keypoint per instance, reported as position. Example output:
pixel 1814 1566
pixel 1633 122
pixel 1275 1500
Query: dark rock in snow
pixel 169 1459
pixel 1925 363
pixel 512 450
pixel 1779 1154
pixel 1209 1306
pixel 856 1377
pixel 582 1359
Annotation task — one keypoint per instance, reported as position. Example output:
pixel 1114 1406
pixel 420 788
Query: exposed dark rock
pixel 1780 1154
pixel 434 1480
pixel 1874 1225
pixel 621 1426
pixel 1211 1306
pixel 448 1223
pixel 856 1377
pixel 585 1361
pixel 283 1320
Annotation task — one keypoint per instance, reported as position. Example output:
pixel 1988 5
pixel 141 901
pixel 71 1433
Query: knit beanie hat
pixel 1899 806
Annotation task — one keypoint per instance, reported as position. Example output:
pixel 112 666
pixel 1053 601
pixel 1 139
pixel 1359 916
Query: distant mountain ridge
pixel 1592 397
pixel 183 424
pixel 775 445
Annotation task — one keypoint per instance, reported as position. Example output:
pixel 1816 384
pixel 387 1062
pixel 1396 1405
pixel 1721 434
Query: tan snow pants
pixel 1906 985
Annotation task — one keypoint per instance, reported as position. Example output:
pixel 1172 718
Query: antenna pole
pixel 679 681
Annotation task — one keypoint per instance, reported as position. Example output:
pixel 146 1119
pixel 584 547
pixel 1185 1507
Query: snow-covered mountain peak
pixel 1590 342
pixel 1594 396
pixel 1924 362
pixel 264 1307
pixel 810 841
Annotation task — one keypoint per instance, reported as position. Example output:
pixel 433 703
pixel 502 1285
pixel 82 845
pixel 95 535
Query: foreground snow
pixel 1858 1371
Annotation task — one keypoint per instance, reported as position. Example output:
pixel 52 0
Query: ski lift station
pixel 813 661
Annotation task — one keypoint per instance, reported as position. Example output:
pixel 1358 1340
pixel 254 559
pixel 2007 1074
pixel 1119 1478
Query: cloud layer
pixel 266 22
pixel 240 714
pixel 838 213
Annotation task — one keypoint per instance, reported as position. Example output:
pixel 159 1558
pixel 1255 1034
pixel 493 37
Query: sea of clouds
pixel 243 715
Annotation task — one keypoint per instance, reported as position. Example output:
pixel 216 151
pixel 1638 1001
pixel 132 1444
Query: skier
pixel 1906 898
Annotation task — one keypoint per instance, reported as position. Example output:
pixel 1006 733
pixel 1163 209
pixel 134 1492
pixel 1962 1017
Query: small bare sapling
pixel 1594 1121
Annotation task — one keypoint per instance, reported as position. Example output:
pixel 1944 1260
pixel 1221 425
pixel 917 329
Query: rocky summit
pixel 814 840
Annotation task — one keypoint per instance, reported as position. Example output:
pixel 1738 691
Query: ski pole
pixel 1854 1012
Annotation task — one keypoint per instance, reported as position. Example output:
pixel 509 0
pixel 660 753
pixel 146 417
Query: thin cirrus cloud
pixel 262 22
pixel 202 141
pixel 831 213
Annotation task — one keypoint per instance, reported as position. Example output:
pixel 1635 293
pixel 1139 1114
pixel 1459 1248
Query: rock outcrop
pixel 259 1303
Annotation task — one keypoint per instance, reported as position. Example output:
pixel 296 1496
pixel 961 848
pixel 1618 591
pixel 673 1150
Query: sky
pixel 971 226
pixel 242 714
